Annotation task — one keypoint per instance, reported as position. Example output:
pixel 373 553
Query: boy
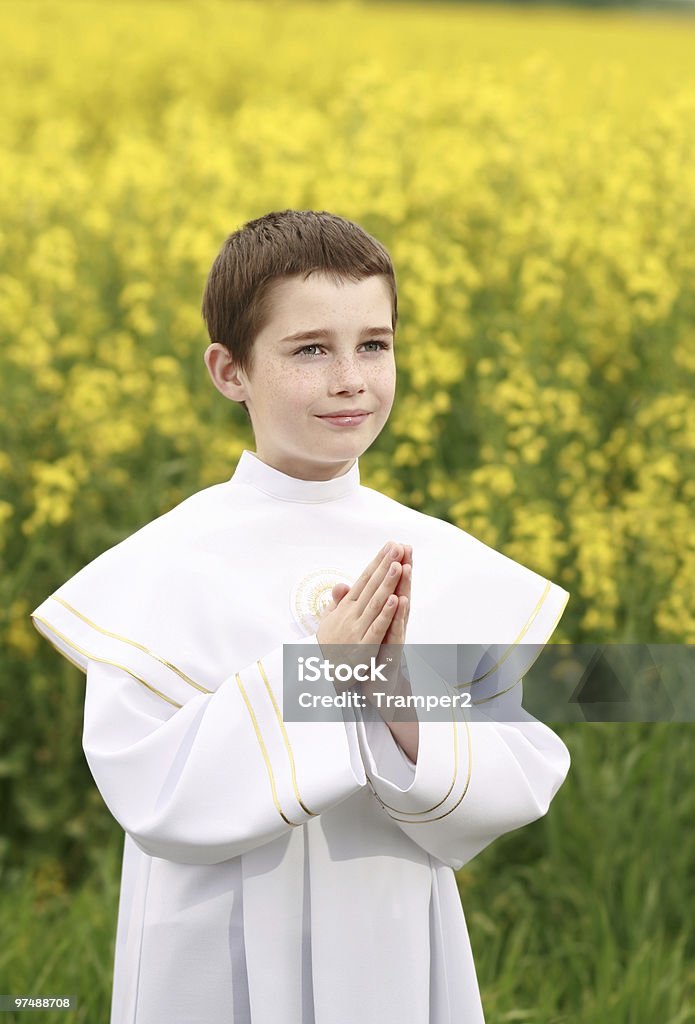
pixel 279 872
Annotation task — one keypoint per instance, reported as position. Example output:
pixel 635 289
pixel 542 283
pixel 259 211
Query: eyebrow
pixel 322 332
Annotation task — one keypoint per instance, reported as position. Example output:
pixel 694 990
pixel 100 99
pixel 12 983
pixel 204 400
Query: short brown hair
pixel 237 300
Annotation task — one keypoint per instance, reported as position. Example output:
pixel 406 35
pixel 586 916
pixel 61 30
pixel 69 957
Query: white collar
pixel 253 471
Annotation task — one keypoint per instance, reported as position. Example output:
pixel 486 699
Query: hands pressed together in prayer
pixel 375 609
pixel 368 616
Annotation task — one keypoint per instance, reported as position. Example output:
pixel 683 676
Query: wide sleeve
pixel 199 776
pixel 492 768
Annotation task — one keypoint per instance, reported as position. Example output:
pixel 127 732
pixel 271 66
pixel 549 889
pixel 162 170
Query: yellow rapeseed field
pixel 532 174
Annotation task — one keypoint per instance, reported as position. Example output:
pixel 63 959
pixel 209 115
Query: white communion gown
pixel 279 872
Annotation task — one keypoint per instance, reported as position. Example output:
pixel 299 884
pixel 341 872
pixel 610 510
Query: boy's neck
pixel 300 471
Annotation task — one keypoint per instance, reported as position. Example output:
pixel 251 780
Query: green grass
pixel 59 941
pixel 584 917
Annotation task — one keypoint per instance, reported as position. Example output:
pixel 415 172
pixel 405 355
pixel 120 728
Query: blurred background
pixel 531 170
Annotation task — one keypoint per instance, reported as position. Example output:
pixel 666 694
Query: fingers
pixel 382 581
pixel 363 581
pixel 396 631
pixel 337 594
pixel 405 581
pixel 401 591
pixel 377 593
pixel 376 630
pixel 401 619
pixel 388 575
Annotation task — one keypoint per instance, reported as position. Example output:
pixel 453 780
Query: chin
pixel 344 453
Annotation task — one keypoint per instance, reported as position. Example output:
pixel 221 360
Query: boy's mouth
pixel 346 418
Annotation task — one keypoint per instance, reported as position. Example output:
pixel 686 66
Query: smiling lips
pixel 346 417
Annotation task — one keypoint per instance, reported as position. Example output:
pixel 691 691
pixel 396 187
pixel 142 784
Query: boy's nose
pixel 347 375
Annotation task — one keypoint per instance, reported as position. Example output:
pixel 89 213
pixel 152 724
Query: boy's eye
pixel 381 345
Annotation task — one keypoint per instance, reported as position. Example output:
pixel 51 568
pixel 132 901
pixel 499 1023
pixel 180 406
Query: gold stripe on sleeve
pixel 426 821
pixel 286 739
pixel 528 667
pixel 511 647
pixel 427 810
pixel 264 752
pixel 499 693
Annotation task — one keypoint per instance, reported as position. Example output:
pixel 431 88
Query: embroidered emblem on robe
pixel 312 594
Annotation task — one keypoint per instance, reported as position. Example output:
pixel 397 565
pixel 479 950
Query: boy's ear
pixel 224 373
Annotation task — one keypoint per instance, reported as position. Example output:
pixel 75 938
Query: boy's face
pixel 295 383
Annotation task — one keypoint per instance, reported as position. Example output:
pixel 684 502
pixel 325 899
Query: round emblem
pixel 311 596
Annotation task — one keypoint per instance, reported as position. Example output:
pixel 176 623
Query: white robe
pixel 286 872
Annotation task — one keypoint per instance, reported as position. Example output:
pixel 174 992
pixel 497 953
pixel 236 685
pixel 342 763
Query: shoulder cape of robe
pixel 164 603
pixel 283 864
